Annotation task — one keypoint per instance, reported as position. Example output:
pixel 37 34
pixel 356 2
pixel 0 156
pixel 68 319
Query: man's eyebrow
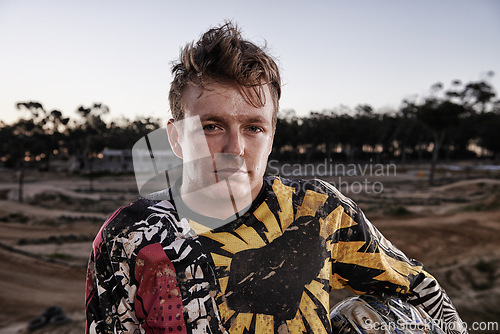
pixel 212 118
pixel 219 119
pixel 255 119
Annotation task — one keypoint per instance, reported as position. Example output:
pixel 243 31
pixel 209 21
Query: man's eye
pixel 209 127
pixel 255 129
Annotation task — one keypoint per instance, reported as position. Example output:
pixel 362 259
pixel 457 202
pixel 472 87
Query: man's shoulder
pixel 137 212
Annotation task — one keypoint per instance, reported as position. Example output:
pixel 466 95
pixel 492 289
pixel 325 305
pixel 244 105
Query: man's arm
pixel 366 261
pixel 108 308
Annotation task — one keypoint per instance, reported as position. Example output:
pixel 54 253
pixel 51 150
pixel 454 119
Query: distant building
pixel 114 161
pixel 138 161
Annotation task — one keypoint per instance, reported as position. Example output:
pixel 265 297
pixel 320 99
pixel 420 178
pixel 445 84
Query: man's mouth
pixel 229 171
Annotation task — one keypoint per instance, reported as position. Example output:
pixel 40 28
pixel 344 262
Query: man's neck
pixel 225 208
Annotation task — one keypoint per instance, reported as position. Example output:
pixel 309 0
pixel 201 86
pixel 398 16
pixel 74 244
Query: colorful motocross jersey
pixel 268 271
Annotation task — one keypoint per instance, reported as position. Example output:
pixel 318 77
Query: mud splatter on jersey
pixel 269 271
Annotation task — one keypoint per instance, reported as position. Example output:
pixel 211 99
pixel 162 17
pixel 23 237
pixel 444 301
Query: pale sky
pixel 64 54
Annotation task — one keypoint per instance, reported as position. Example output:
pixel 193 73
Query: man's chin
pixel 221 199
pixel 228 192
pixel 232 187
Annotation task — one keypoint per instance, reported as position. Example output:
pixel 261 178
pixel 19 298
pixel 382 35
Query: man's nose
pixel 234 143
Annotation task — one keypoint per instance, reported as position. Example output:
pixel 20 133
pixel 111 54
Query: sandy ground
pixel 452 228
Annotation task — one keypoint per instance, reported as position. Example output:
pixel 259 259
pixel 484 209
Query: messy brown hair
pixel 222 55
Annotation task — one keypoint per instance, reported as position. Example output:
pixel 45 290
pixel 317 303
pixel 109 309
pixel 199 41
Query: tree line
pixel 41 135
pixel 460 121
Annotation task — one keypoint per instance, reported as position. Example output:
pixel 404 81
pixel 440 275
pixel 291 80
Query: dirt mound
pixel 474 287
pixel 493 201
pixel 30 285
pixel 445 239
pixel 471 186
pixel 37 212
pixel 75 325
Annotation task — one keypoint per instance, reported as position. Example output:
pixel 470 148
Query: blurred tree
pixel 49 130
pixel 412 136
pixel 318 130
pixel 88 137
pixel 13 143
pixel 371 130
pixel 488 127
pixel 439 117
pixel 479 97
pixel 37 138
pixel 90 134
pixel 387 136
pixel 476 95
pixel 123 133
pixel 403 133
pixel 288 136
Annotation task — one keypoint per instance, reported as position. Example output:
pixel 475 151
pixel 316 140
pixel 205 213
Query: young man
pixel 226 249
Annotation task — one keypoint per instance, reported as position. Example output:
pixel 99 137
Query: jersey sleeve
pixel 108 289
pixel 365 261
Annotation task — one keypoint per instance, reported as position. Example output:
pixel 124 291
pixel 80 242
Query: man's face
pixel 239 137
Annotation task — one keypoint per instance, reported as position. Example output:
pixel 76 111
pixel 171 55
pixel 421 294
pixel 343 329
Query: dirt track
pixel 459 246
pixel 444 239
pixel 29 286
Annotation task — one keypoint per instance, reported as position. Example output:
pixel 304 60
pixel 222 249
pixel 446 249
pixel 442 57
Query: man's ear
pixel 271 143
pixel 173 138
